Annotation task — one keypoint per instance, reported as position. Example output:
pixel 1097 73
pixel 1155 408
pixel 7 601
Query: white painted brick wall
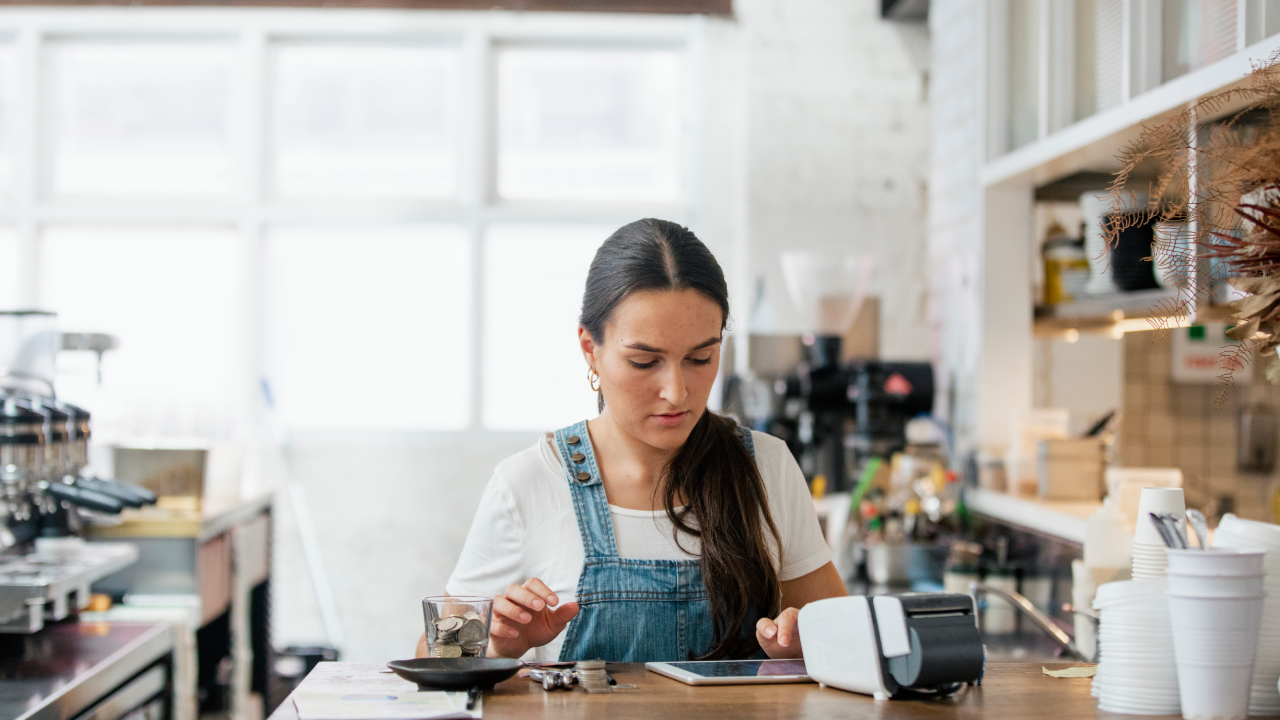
pixel 837 150
pixel 955 202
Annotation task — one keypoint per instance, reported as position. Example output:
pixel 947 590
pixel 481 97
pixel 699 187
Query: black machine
pixel 834 415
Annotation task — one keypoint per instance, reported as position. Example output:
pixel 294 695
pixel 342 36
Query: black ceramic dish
pixel 455 673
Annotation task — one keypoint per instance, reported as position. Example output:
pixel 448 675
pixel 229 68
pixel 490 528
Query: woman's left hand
pixel 780 637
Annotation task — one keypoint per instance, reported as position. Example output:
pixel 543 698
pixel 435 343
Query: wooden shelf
pixel 1112 306
pixel 1105 314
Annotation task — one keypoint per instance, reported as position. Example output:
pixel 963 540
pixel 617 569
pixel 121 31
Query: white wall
pixel 838 150
pixel 955 205
pixel 391 514
pixel 1085 377
pixel 816 137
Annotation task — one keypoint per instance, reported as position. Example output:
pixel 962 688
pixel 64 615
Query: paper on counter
pixel 385 706
pixel 1072 672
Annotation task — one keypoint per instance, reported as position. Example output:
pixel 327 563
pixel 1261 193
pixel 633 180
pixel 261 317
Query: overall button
pixel 579 457
pixel 584 476
pixel 573 439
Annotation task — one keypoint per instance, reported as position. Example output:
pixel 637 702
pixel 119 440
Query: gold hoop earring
pixel 593 379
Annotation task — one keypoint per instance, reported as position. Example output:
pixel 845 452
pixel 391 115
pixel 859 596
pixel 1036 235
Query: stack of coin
pixel 458 636
pixel 591 676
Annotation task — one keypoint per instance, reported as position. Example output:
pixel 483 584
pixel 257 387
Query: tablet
pixel 732 672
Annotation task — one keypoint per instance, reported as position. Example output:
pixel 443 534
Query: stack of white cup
pixel 1215 605
pixel 1136 671
pixel 1234 532
pixel 1149 558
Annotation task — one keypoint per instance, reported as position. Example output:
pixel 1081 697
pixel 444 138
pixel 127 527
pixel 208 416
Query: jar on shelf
pixel 1066 266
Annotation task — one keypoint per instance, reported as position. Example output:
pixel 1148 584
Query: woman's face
pixel 657 361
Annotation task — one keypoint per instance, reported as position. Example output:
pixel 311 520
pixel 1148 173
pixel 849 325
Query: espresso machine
pixel 836 415
pixel 46 568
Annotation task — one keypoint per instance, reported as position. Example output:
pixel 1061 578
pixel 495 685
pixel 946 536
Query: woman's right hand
pixel 524 618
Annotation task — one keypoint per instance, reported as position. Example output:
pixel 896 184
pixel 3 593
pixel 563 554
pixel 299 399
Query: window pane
pixel 7 68
pixel 534 374
pixel 142 119
pixel 369 327
pixel 9 271
pixel 589 125
pixel 171 296
pixel 366 121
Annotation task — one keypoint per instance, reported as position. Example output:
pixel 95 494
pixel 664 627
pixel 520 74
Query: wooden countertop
pixel 1009 690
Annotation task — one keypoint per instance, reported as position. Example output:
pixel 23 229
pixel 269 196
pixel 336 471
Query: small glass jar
pixel 457 626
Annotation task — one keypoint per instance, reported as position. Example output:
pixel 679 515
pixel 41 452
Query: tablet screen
pixel 743 668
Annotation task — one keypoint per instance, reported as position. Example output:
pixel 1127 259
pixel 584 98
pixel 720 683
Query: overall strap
pixel 590 503
pixel 744 434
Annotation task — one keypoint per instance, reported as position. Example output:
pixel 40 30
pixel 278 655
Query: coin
pixel 459 636
pixel 471 632
pixel 591 676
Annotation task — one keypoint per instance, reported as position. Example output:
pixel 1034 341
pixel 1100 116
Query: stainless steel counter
pixel 69 668
pixel 41 585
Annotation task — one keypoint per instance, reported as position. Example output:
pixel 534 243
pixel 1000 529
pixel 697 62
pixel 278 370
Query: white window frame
pixel 253 33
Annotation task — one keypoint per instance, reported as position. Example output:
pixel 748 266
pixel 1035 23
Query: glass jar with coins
pixel 457 626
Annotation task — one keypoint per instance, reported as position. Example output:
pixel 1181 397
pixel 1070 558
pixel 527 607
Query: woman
pixel 658 531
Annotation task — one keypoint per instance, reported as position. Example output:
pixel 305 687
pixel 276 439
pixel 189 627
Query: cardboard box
pixel 1071 469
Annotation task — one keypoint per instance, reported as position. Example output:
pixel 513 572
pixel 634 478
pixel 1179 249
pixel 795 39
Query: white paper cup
pixel 1158 500
pixel 1155 556
pixel 1148 561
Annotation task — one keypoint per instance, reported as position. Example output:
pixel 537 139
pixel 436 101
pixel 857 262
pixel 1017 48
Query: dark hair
pixel 713 472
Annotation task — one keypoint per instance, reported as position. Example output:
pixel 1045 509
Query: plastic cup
pixel 457 626
pixel 1215 642
pixel 1259 532
pixel 1216 562
pixel 1136 670
pixel 1215 648
pixel 1213 692
pixel 1126 591
pixel 1215 614
pixel 1203 586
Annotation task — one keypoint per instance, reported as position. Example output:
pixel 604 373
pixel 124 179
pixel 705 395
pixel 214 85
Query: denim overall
pixel 630 610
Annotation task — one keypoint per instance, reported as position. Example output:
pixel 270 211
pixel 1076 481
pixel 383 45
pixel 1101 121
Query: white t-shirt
pixel 525 527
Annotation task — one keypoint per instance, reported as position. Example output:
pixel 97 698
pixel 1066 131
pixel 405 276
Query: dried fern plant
pixel 1224 182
